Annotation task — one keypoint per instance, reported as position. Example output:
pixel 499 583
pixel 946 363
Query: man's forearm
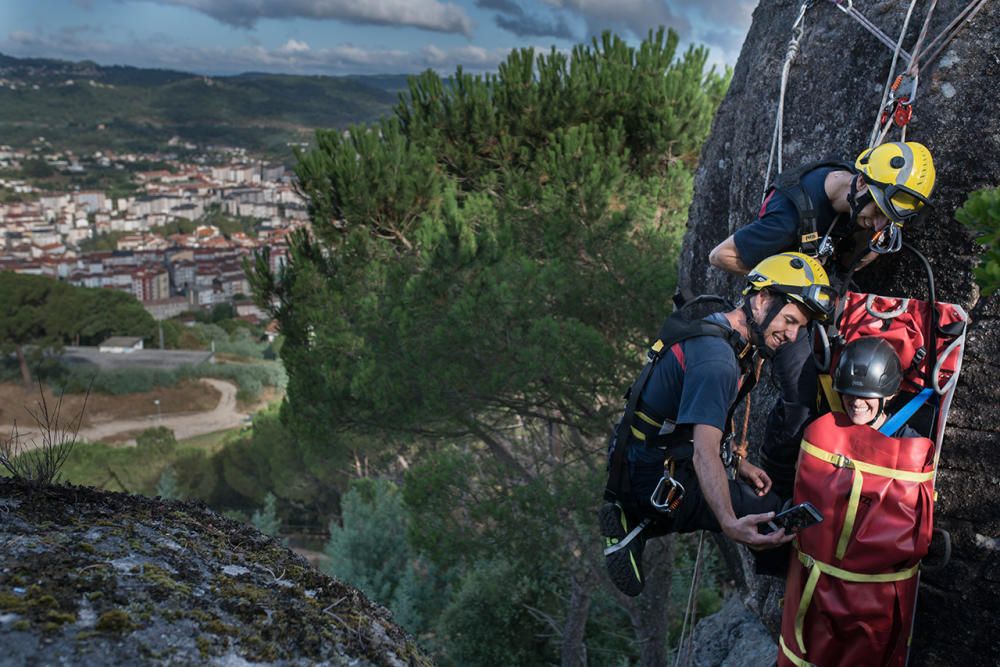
pixel 726 256
pixel 712 474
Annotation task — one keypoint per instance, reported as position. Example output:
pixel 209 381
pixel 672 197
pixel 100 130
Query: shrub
pixel 981 213
pixel 159 440
pixel 266 519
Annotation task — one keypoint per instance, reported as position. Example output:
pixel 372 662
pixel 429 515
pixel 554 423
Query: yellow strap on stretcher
pixel 832 397
pixel 858 467
pixel 795 660
pixel 816 568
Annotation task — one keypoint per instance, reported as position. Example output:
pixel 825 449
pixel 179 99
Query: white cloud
pixel 425 14
pixel 294 46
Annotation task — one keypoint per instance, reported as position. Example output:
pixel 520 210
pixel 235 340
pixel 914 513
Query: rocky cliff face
pixel 95 578
pixel 833 96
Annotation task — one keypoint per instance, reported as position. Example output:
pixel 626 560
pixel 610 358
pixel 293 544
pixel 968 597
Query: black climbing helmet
pixel 868 367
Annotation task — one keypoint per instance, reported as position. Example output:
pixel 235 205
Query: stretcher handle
pixel 936 372
pixel 824 340
pixel 889 314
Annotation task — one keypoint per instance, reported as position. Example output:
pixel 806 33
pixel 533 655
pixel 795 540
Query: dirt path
pixel 184 425
pixel 188 425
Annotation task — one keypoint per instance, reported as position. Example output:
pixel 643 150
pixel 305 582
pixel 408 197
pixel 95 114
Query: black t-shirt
pixel 776 228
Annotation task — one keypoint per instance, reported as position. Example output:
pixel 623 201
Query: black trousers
pixel 797 378
pixel 694 513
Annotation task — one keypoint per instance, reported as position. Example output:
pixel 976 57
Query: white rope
pixel 684 647
pixel 848 8
pixel 876 136
pixel 793 49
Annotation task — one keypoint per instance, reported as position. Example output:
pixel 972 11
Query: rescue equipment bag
pixel 852 580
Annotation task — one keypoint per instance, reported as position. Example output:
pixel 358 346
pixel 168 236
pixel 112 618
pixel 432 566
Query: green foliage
pixel 144 110
pixel 250 378
pixel 484 271
pixel 167 488
pixel 36 168
pixel 491 223
pixel 369 550
pixel 43 312
pixel 981 213
pixel 241 341
pixel 159 439
pixel 266 519
pixel 486 622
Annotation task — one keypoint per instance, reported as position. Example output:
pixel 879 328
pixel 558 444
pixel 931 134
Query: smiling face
pixel 862 410
pixel 785 326
pixel 872 218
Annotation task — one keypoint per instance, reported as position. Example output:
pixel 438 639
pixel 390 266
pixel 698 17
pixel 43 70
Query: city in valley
pixel 161 239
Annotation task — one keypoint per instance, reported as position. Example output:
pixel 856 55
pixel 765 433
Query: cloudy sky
pixel 347 36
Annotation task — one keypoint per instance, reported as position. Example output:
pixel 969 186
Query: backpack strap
pixel 789 183
pixel 675 329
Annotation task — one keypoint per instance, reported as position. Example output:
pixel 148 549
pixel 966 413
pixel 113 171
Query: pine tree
pixel 167 488
pixel 484 271
pixel 266 519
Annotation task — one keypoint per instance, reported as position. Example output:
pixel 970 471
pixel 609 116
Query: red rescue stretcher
pixel 852 581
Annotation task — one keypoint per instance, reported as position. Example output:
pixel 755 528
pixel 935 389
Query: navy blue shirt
pixel 776 228
pixel 704 389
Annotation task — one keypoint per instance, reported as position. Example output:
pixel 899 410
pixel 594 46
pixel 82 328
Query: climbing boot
pixel 623 544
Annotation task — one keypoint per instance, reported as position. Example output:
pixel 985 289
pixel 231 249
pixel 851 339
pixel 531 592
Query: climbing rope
pixel 742 448
pixel 898 98
pixel 793 49
pixel 950 32
pixel 848 8
pixel 684 647
pixel 877 136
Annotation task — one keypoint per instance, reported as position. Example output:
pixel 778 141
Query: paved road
pixel 184 425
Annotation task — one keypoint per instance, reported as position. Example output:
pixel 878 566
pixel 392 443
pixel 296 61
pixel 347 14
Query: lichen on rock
pixel 98 578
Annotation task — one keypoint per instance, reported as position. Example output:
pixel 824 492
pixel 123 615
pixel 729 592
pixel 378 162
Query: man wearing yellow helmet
pixel 806 209
pixel 829 210
pixel 665 471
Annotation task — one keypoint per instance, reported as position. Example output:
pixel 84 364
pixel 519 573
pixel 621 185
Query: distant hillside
pixel 85 106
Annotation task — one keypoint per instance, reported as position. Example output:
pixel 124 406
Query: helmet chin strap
pixel 757 329
pixel 881 408
pixel 858 202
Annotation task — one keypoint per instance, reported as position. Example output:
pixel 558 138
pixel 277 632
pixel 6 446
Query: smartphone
pixel 793 519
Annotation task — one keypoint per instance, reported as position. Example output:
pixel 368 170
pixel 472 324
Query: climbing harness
pixel 639 421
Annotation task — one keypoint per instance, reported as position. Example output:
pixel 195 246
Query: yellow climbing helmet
pixel 799 278
pixel 900 176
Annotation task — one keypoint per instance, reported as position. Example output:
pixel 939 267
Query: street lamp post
pixel 156 402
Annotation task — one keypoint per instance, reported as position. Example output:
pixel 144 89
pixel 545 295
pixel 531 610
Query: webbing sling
pixel 675 329
pixel 817 568
pixel 858 467
pixel 907 411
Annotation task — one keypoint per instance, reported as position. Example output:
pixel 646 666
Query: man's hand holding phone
pixel 793 519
